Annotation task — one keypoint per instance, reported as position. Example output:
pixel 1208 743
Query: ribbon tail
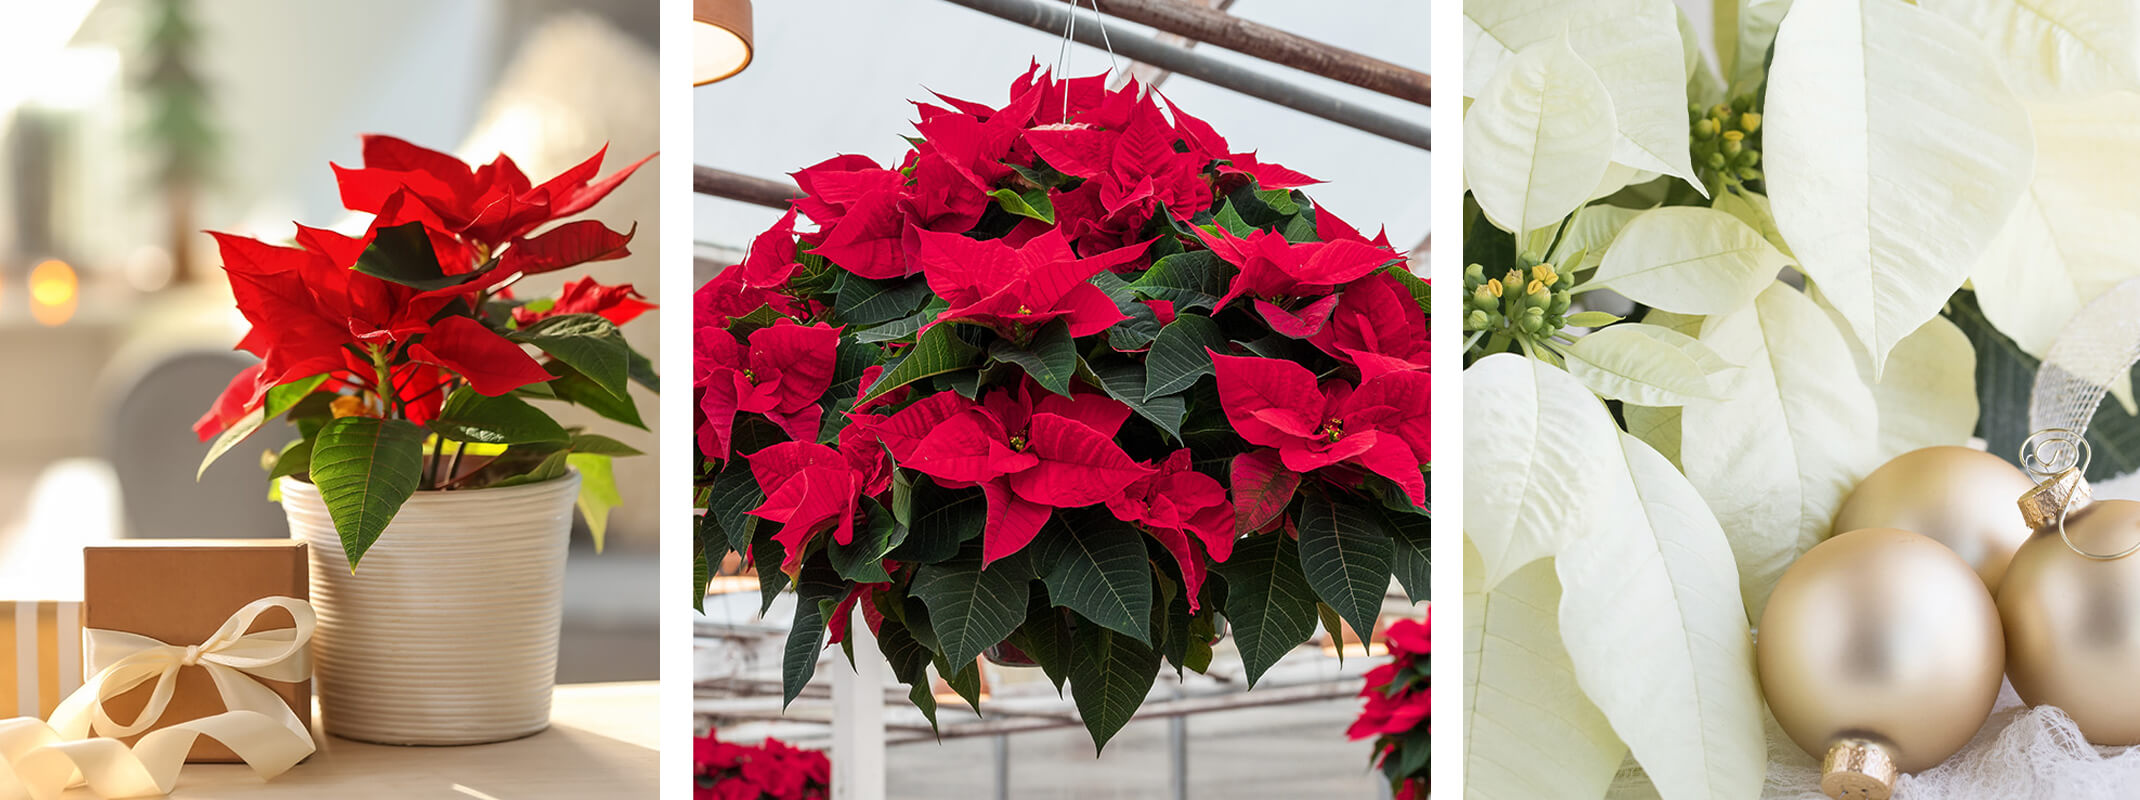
pixel 37 765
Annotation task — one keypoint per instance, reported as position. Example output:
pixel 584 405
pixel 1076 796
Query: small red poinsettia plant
pixel 402 356
pixel 1074 380
pixel 1396 714
pixel 771 771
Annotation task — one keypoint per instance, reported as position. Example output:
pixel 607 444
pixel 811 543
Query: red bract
pixel 729 295
pixel 1028 456
pixel 810 487
pixel 1015 291
pixel 313 315
pixel 1187 512
pixel 780 375
pixel 773 769
pixel 618 304
pixel 491 205
pixel 1209 145
pixel 1273 269
pixel 1381 426
pixel 1378 327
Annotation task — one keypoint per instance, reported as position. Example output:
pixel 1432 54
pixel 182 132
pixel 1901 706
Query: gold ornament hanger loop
pixel 2050 451
pixel 2057 458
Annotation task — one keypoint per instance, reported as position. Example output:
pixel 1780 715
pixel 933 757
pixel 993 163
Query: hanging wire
pixel 1062 52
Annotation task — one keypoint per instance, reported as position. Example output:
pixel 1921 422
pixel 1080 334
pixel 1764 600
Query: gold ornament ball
pixel 2073 624
pixel 1957 496
pixel 1879 652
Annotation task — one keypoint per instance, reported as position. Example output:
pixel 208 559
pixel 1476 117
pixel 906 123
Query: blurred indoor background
pixel 128 126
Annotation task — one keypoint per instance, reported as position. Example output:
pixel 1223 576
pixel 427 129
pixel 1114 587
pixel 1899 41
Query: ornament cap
pixel 2042 506
pixel 1858 769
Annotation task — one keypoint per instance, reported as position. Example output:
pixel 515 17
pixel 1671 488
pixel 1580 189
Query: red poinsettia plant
pixel 1075 380
pixel 404 359
pixel 1396 714
pixel 772 771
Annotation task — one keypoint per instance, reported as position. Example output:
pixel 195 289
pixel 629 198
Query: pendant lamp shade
pixel 721 39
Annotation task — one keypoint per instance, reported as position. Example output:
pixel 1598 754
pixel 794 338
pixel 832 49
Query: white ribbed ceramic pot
pixel 447 632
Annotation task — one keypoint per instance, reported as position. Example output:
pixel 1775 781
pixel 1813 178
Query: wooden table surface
pixel 602 742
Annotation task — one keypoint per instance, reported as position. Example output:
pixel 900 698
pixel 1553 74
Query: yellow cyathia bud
pixel 1494 286
pixel 1544 273
pixel 1535 288
pixel 1750 121
pixel 349 405
pixel 1733 136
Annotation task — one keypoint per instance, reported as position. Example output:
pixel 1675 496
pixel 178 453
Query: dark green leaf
pixel 1099 570
pixel 1408 533
pixel 807 636
pixel 1195 279
pixel 767 555
pixel 1332 626
pixel 1124 381
pixel 708 547
pixel 641 370
pixel 1137 332
pixel 964 679
pixel 1267 600
pixel 1049 358
pixel 1345 555
pixel 862 560
pixel 971 608
pixel 906 326
pixel 734 492
pixel 909 661
pixel 2005 377
pixel 943 520
pixel 863 301
pixel 588 343
pixel 1300 229
pixel 576 388
pixel 939 350
pixel 366 468
pixel 1110 674
pixel 471 417
pixel 295 459
pixel 1179 356
pixel 403 254
pixel 1045 637
pixel 551 468
pixel 600 445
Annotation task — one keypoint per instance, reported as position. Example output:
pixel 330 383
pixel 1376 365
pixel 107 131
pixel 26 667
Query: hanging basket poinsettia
pixel 1077 377
pixel 402 356
pixel 1396 713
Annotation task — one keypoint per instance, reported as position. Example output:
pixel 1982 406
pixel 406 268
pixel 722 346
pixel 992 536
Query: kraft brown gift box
pixel 180 592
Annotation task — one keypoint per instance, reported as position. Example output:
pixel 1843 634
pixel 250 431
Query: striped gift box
pixel 40 656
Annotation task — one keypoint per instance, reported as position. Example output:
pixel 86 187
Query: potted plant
pixel 1076 377
pixel 774 770
pixel 436 491
pixel 1396 715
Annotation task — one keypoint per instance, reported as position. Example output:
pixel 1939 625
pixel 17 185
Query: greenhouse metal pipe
pixel 737 186
pixel 1054 17
pixel 1220 29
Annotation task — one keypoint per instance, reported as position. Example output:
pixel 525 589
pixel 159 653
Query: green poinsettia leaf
pixel 1268 600
pixel 818 586
pixel 588 343
pixel 1050 358
pixel 944 519
pixel 937 351
pixel 1110 674
pixel 403 254
pixel 1189 280
pixel 971 608
pixel 864 301
pixel 366 468
pixel 1097 568
pixel 1345 555
pixel 472 417
pixel 1179 356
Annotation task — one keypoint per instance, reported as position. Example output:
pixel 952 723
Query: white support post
pixel 858 718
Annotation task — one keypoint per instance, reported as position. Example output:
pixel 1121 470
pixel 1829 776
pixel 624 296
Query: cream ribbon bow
pixel 40 761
